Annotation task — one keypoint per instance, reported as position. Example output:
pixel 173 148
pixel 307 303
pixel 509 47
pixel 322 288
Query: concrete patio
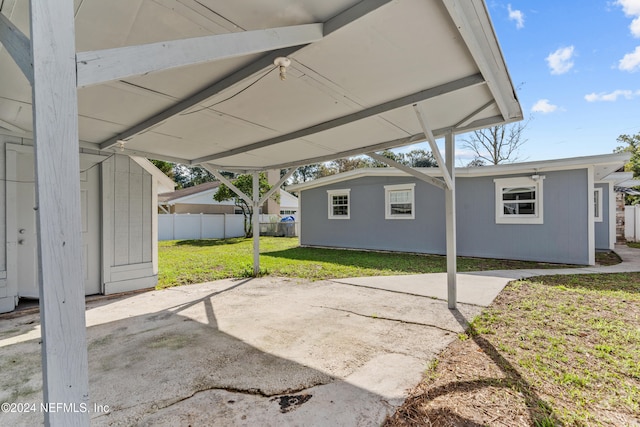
pixel 268 351
pixel 247 352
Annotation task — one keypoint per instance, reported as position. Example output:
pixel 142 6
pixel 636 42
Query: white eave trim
pixel 508 169
pixel 162 179
pixel 474 24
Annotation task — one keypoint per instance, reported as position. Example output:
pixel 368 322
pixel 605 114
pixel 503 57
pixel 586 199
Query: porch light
pixel 282 63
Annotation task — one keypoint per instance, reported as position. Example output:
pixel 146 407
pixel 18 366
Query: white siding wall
pixel 632 223
pixel 127 222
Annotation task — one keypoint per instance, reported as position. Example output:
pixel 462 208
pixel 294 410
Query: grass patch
pixel 560 350
pixel 196 261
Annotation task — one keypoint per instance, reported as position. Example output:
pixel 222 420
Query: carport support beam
pixel 65 371
pixel 256 222
pixel 450 207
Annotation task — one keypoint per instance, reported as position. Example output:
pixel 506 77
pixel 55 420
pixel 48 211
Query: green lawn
pixel 194 261
pixel 550 351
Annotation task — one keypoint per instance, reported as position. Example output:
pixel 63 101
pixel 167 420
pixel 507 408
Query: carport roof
pixel 357 68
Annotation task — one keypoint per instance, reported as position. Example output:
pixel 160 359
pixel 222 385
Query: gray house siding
pixel 602 229
pixel 367 227
pixel 562 238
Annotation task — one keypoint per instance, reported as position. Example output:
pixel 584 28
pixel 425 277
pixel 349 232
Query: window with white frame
pixel 339 207
pixel 399 201
pixel 597 204
pixel 519 200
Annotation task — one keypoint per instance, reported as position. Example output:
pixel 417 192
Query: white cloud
pixel 543 106
pixel 631 8
pixel 611 96
pixel 516 15
pixel 631 61
pixel 560 61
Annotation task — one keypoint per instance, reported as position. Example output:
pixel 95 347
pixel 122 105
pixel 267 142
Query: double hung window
pixel 519 200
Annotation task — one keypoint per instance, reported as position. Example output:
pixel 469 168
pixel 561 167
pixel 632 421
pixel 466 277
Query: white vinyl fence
pixel 632 223
pixel 199 226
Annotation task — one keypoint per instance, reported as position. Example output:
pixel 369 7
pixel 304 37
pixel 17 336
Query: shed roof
pixel 357 68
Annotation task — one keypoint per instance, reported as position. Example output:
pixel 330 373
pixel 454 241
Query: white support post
pixel 62 304
pixel 277 186
pixel 256 222
pixel 450 206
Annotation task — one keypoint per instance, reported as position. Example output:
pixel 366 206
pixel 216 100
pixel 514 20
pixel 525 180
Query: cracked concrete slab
pixel 248 352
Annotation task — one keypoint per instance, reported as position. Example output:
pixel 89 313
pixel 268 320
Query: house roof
pixel 624 180
pixel 287 200
pixel 357 70
pixel 175 196
pixel 604 165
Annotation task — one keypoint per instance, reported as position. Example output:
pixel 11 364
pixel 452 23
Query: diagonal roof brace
pixel 18 45
pixel 276 187
pixel 422 118
pixel 423 95
pixel 228 183
pixel 411 171
pixel 101 66
pixel 245 197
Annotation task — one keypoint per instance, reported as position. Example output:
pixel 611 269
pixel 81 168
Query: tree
pixel 419 158
pixel 497 144
pixel 188 176
pixel 632 146
pixel 306 173
pixel 165 167
pixel 475 163
pixel 244 183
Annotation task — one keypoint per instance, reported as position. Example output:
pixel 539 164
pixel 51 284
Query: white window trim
pixel 598 217
pixel 343 192
pixel 524 181
pixel 387 204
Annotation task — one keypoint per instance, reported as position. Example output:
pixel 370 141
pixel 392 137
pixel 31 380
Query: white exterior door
pixel 27 238
pixel 27 255
pixel 90 204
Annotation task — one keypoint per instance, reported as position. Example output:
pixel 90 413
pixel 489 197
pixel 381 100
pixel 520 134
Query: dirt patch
pixel 558 353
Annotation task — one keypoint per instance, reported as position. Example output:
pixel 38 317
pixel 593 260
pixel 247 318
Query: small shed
pixel 119 231
pixel 558 211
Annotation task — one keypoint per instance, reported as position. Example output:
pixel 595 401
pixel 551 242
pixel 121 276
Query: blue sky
pixel 577 67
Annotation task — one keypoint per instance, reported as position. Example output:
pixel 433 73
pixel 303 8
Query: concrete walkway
pixel 481 288
pixel 267 351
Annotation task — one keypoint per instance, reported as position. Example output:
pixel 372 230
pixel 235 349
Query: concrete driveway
pixel 267 352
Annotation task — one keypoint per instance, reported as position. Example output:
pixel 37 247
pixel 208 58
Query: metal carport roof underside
pixel 194 81
pixel 353 78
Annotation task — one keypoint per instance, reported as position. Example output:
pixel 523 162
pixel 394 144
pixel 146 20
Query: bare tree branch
pixel 497 144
